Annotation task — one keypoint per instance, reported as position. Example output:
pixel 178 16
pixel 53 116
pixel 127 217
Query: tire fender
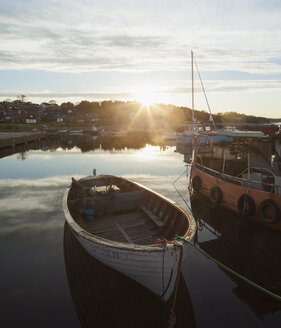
pixel 216 195
pixel 246 205
pixel 196 183
pixel 276 213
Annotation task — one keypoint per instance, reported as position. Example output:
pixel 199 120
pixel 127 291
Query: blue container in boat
pixel 89 214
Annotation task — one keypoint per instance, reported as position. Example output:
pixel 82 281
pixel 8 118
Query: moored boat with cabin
pixel 130 228
pixel 190 130
pixel 245 177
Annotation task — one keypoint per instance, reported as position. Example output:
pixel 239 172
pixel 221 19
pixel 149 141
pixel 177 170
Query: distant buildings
pixel 19 112
pixel 28 113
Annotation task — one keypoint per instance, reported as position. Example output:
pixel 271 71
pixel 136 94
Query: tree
pixel 88 107
pixel 22 98
pixel 66 106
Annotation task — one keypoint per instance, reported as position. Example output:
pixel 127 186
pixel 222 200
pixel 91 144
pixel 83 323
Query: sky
pixel 129 49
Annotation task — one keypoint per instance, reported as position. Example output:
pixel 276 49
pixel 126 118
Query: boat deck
pixel 128 213
pixel 133 227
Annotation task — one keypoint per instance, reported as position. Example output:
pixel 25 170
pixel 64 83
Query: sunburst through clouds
pixel 150 109
pixel 145 95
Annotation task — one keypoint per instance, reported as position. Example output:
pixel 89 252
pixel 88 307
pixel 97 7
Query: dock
pixel 13 139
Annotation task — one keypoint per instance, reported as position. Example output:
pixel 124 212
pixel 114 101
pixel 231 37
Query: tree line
pixel 159 114
pixel 126 113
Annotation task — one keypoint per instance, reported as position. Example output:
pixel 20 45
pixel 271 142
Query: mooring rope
pixel 264 290
pixel 174 185
pixel 172 316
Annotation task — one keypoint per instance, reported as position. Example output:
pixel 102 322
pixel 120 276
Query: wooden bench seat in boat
pixel 106 205
pixel 152 216
pixel 129 227
pixel 124 233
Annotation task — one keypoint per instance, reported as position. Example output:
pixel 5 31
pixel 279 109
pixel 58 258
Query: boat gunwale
pixel 236 178
pixel 126 246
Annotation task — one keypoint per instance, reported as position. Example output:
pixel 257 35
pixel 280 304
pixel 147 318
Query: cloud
pixel 31 204
pixel 67 95
pixel 72 36
pixel 211 86
pixel 232 86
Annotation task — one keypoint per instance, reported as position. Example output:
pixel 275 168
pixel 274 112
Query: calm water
pixel 48 280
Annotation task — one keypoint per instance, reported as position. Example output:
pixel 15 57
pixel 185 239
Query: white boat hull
pixel 154 266
pixel 155 270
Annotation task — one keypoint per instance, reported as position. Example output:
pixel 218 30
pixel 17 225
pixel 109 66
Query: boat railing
pixel 273 188
pixel 261 169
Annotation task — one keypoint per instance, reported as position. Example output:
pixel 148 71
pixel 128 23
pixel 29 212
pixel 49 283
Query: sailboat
pixel 193 128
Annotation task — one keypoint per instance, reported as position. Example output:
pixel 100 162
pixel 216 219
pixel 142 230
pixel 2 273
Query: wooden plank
pixel 109 228
pixel 159 206
pixel 124 233
pixel 144 237
pixel 153 217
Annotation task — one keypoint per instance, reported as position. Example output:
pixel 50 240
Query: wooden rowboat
pixel 103 297
pixel 130 228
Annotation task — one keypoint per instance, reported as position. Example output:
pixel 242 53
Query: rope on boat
pixel 244 200
pixel 172 316
pixel 211 116
pixel 264 290
pixel 163 258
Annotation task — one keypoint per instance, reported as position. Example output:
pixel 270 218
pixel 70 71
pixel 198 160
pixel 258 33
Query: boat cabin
pixel 243 161
pixel 191 128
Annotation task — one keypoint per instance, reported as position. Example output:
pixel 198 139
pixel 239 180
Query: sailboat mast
pixel 192 85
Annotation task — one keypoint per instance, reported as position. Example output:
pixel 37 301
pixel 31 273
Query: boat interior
pixel 120 210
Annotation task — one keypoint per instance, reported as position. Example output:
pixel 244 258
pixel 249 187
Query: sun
pixel 145 95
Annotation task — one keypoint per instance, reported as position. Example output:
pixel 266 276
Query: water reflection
pixel 34 289
pixel 30 205
pixel 106 298
pixel 245 247
pixel 84 143
pixel 31 233
pixel 55 160
pixel 186 151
